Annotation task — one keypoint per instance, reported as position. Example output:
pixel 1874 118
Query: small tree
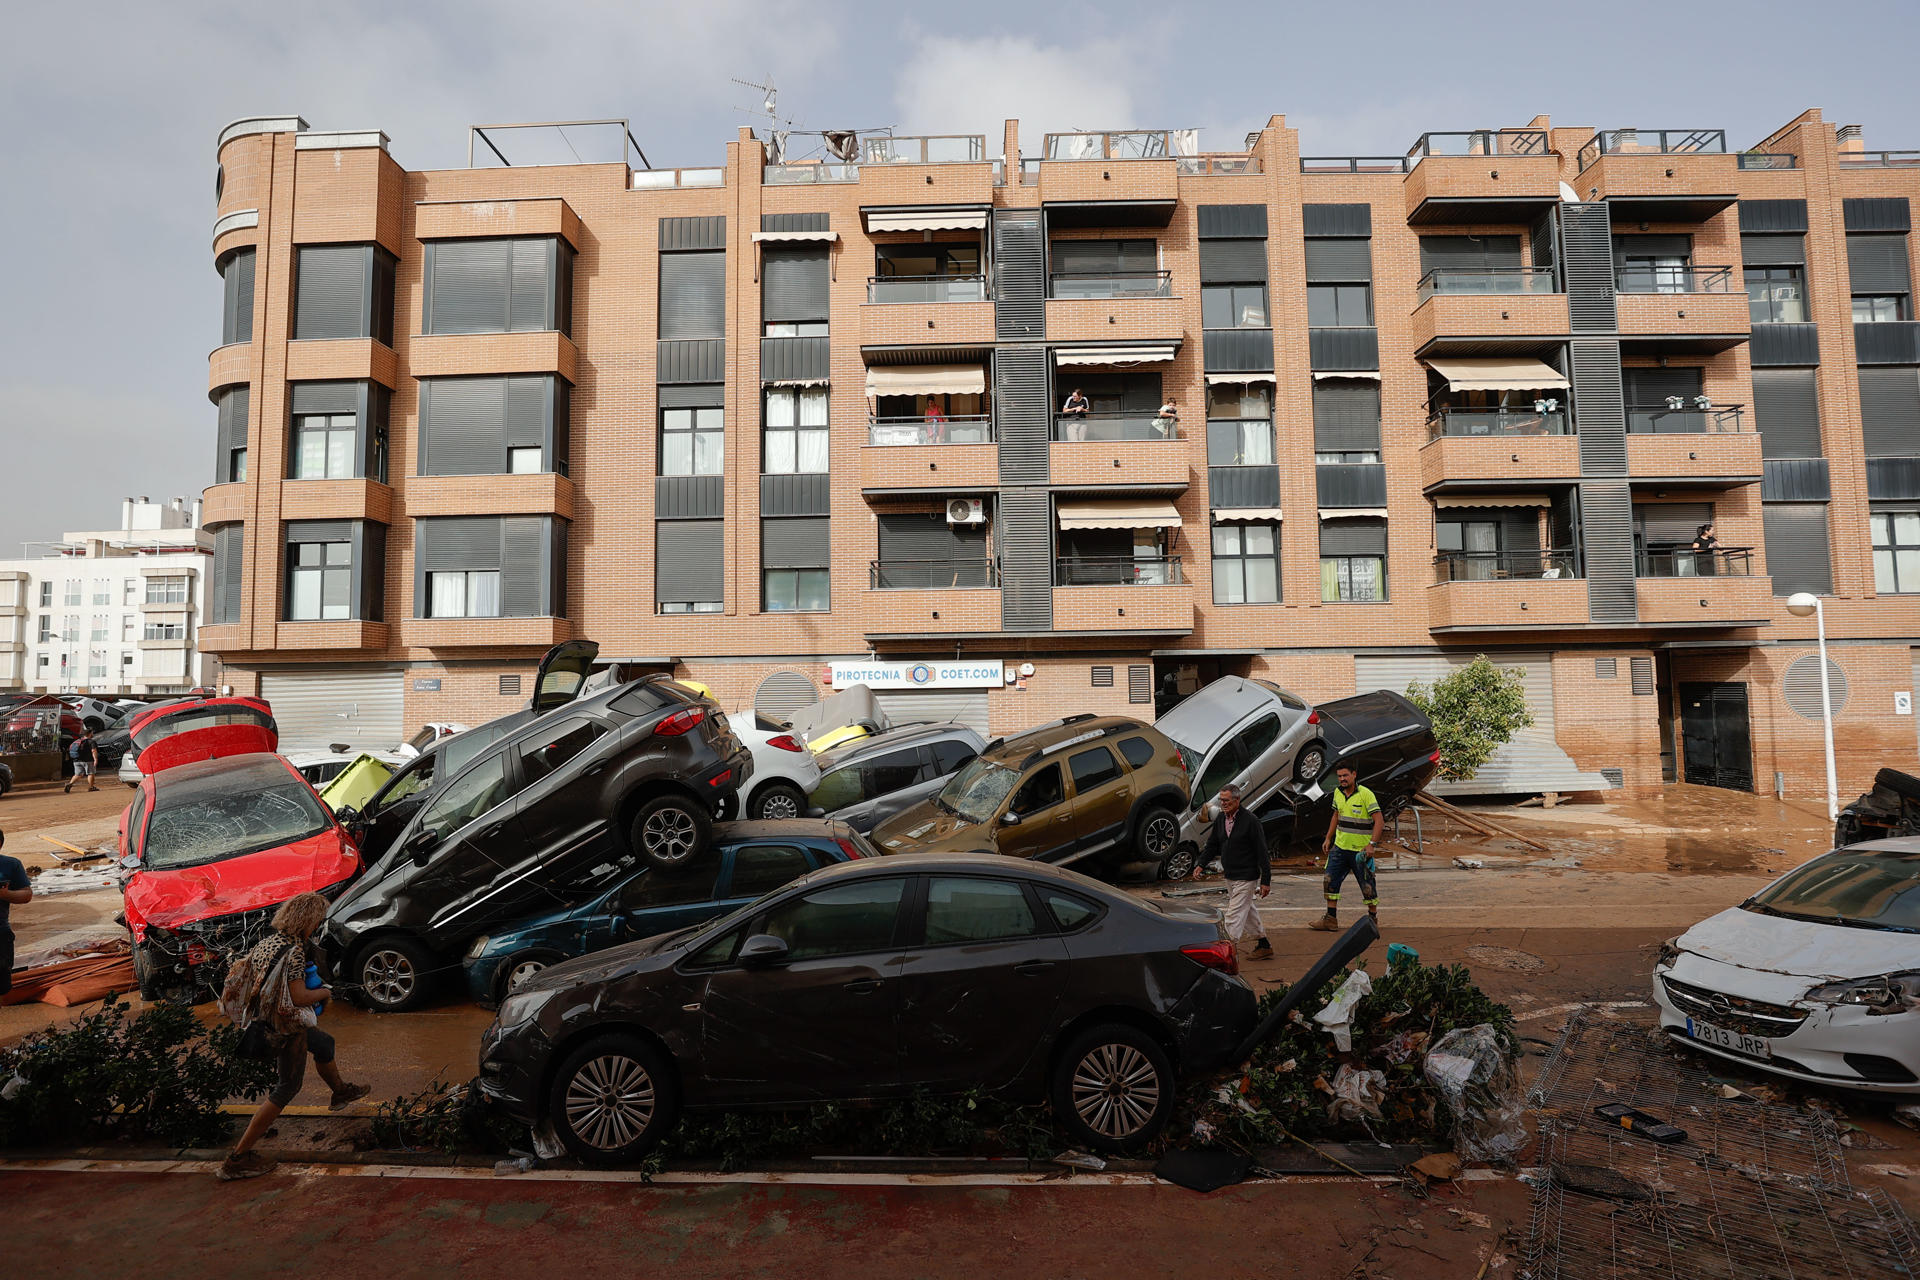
pixel 1475 710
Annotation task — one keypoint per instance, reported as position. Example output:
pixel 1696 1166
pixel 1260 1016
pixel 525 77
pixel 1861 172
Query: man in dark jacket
pixel 1240 847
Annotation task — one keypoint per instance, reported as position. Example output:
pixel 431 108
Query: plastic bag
pixel 1337 1017
pixel 1357 1094
pixel 1474 1072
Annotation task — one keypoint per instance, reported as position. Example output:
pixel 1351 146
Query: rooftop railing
pixel 1356 164
pixel 945 148
pixel 1679 562
pixel 1135 144
pixel 1674 279
pixel 1769 160
pixel 1609 142
pixel 1481 142
pixel 932 575
pixel 1117 571
pixel 1215 163
pixel 1029 173
pixel 1115 426
pixel 965 428
pixel 926 288
pixel 1494 566
pixel 1498 422
pixel 1666 420
pixel 662 179
pixel 1879 159
pixel 779 175
pixel 1486 280
pixel 1110 284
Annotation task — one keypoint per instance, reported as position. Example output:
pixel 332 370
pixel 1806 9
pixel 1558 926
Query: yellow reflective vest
pixel 1356 812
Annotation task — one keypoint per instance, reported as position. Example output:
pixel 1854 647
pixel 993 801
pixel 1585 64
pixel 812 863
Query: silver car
pixel 1249 732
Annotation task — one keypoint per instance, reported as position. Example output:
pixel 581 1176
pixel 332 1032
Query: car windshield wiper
pixel 939 802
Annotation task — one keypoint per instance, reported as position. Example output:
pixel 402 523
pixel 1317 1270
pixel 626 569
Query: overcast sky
pixel 111 111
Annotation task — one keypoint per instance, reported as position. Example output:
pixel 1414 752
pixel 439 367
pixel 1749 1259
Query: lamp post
pixel 1800 604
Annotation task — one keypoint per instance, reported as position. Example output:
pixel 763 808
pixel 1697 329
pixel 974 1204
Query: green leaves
pixel 1475 710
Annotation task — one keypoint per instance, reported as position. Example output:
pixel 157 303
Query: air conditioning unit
pixel 966 511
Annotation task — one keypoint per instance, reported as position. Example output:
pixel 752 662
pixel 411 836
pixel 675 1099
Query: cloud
pixel 955 85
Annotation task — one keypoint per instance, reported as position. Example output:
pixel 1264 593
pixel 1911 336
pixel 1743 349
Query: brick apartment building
pixel 742 422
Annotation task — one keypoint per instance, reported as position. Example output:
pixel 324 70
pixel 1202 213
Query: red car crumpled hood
pixel 169 899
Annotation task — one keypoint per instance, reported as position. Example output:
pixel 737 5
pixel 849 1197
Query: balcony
pixel 959 320
pixel 356 499
pixel 1134 144
pixel 1713 319
pixel 901 170
pixel 1114 426
pixel 1117 571
pixel 915 455
pixel 926 289
pixel 1652 142
pixel 484 633
pixel 1138 451
pixel 1483 176
pixel 1498 566
pixel 932 575
pixel 1879 159
pixel 1677 562
pixel 539 493
pixel 1674 279
pixel 677 179
pixel 933 596
pixel 1675 420
pixel 1715 600
pixel 787 175
pixel 1664 175
pixel 1448 421
pixel 1122 594
pixel 1523 603
pixel 1496 312
pixel 1476 281
pixel 947 148
pixel 1467 459
pixel 1690 447
pixel 345 634
pixel 1110 284
pixel 1108 179
pixel 1216 164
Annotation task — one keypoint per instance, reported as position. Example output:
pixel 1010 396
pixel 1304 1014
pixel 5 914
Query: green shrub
pixel 1475 710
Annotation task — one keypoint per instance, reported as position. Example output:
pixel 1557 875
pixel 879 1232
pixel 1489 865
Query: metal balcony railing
pixel 926 288
pixel 948 148
pixel 1029 173
pixel 1609 142
pixel 1879 159
pixel 1136 144
pixel 932 575
pixel 1498 422
pixel 973 428
pixel 1487 280
pixel 1115 426
pixel 1481 142
pixel 1674 279
pixel 1665 420
pixel 1492 566
pixel 780 175
pixel 1356 164
pixel 1215 163
pixel 1117 571
pixel 659 179
pixel 1679 562
pixel 1769 160
pixel 1110 284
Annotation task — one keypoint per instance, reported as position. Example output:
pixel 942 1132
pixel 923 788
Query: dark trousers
pixel 292 1063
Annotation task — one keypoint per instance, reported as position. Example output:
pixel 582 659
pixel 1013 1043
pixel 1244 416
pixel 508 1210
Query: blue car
pixel 622 899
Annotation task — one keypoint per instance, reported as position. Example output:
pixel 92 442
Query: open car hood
pixel 202 729
pixel 562 673
pixel 169 899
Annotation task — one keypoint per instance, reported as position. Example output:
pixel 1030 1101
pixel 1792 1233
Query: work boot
pixel 1327 923
pixel 250 1165
pixel 1262 950
pixel 347 1095
pixel 93 786
pixel 68 789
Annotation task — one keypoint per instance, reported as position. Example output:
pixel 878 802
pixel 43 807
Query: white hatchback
pixel 1816 977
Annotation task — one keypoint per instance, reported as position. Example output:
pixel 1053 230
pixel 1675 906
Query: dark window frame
pixel 1223 562
pixel 670 416
pixel 1893 548
pixel 1211 294
pixel 1771 275
pixel 556 312
pixel 1345 297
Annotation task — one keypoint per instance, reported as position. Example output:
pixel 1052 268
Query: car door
pixel 980 985
pixel 887 773
pixel 823 1023
pixel 1043 826
pixel 758 868
pixel 561 814
pixel 652 903
pixel 950 754
pixel 1266 762
pixel 1102 798
pixel 475 868
pixel 392 807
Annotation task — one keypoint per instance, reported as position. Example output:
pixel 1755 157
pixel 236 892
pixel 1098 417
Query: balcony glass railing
pixel 1498 422
pixel 1481 142
pixel 1674 279
pixel 1492 566
pixel 975 428
pixel 1029 173
pixel 1137 144
pixel 1487 280
pixel 1879 159
pixel 1111 284
pixel 780 175
pixel 660 179
pixel 1115 426
pixel 1208 165
pixel 1356 164
pixel 1678 562
pixel 1117 571
pixel 1769 160
pixel 1653 142
pixel 1665 420
pixel 926 288
pixel 932 575
pixel 952 148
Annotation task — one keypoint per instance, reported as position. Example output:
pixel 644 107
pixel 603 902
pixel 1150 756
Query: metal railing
pixel 1679 562
pixel 1664 420
pixel 1487 280
pixel 1029 173
pixel 1115 426
pixel 1498 422
pixel 662 179
pixel 1675 279
pixel 1769 160
pixel 1879 159
pixel 1215 163
pixel 1133 144
pixel 1482 142
pixel 926 288
pixel 932 148
pixel 999 172
pixel 1653 142
pixel 780 175
pixel 1110 284
pixel 1495 566
pixel 932 575
pixel 967 428
pixel 1356 164
pixel 1117 571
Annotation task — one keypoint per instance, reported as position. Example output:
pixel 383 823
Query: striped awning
pixel 1496 500
pixel 927 380
pixel 1118 514
pixel 801 382
pixel 1234 515
pixel 1216 379
pixel 1498 373
pixel 1156 353
pixel 1371 375
pixel 1353 513
pixel 925 219
pixel 803 237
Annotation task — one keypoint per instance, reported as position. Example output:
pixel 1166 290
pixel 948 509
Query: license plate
pixel 1752 1046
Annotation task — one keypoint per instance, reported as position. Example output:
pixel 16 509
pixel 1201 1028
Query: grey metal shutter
pixel 231 430
pixel 1102 677
pixel 1642 673
pixel 1586 236
pixel 1230 487
pixel 1606 547
pixel 557 529
pixel 1232 221
pixel 1346 415
pixel 1795 480
pixel 531 300
pixel 229 553
pixel 1347 260
pixel 1893 478
pixel 454 543
pixel 793 283
pixel 801 494
pixel 783 693
pixel 1877 213
pixel 1019 276
pixel 1337 219
pixel 782 359
pixel 1878 263
pixel 1800 686
pixel 313 710
pixel 1889 411
pixel 1351 484
pixel 1140 684
pixel 319 531
pixel 467 283
pixel 1021 414
pixel 688 497
pixel 1599 405
pixel 1772 215
pixel 956 706
pixel 523 555
pixel 1773 250
pixel 1798 556
pixel 1668 523
pixel 331 292
pixel 693 233
pixel 795 543
pixel 693 295
pixel 463 423
pixel 1468 252
pixel 1232 261
pixel 236 320
pixel 1786 412
pixel 527 402
pixel 689 561
pixel 1606 668
pixel 1784 344
pixel 1651 388
pixel 795 222
pixel 325 397
pixel 1360 537
pixel 1543 238
pixel 1251 350
pixel 1328 350
pixel 696 395
pixel 1025 537
pixel 700 360
pixel 914 536
pixel 1881 343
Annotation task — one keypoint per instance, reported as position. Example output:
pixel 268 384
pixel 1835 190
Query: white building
pixel 110 612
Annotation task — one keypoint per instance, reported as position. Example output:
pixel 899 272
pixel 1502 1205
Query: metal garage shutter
pixel 360 708
pixel 1532 761
pixel 966 706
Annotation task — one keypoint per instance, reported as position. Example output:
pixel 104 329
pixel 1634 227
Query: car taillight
pixel 1313 717
pixel 1434 758
pixel 680 722
pixel 1214 955
pixel 847 847
pixel 786 742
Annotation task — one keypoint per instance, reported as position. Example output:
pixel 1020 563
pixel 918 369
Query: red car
pixel 222 831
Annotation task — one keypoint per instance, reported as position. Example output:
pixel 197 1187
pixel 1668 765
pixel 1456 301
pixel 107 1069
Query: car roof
pixel 1908 846
pixel 1027 747
pixel 256 768
pixel 892 740
pixel 1212 711
pixel 948 863
pixel 777 829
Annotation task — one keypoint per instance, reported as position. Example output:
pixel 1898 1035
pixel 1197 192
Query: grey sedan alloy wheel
pixel 389 977
pixel 1179 866
pixel 1116 1091
pixel 610 1101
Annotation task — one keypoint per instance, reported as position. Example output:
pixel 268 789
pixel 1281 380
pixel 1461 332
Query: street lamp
pixel 1800 604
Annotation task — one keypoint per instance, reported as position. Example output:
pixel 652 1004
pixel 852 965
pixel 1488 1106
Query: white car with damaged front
pixel 1816 977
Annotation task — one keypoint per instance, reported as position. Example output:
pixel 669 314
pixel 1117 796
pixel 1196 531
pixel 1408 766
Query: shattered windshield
pixel 1876 889
pixel 977 791
pixel 220 816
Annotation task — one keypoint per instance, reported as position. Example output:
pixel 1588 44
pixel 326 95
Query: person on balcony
pixel 1168 423
pixel 936 423
pixel 1705 548
pixel 1076 409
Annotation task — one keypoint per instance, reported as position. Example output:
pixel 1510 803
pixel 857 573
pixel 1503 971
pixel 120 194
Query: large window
pixel 1896 552
pixel 463 593
pixel 323 446
pixel 1777 295
pixel 1362 578
pixel 495 426
pixel 1340 306
pixel 1240 400
pixel 236 312
pixel 319 581
pixel 343 291
pixel 167 590
pixel 1879 308
pixel 164 631
pixel 1233 306
pixel 1244 442
pixel 693 442
pixel 496 286
pixel 794 555
pixel 796 431
pixel 794 329
pixel 1246 564
pixel 102 591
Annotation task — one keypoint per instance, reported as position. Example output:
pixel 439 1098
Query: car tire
pixel 392 974
pixel 1113 1089
pixel 1904 785
pixel 613 1099
pixel 671 832
pixel 521 967
pixel 1156 837
pixel 778 800
pixel 1310 764
pixel 1180 864
pixel 144 978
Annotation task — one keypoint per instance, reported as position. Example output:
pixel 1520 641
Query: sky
pixel 109 112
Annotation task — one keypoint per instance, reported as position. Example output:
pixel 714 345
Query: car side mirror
pixel 763 949
pixel 1009 819
pixel 346 814
pixel 420 847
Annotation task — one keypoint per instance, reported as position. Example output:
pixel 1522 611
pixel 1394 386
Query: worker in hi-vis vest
pixel 1351 836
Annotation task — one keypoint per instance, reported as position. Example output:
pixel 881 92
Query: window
pixel 1339 306
pixel 46 595
pixel 46 662
pixel 891 772
pixel 1091 768
pixel 1233 306
pixel 1776 295
pixel 495 286
pixel 236 311
pixel 70 628
pixel 1239 442
pixel 343 291
pixel 127 624
pixel 1879 308
pixel 1068 911
pixel 1239 400
pixel 164 631
pixel 1246 564
pixel 102 591
pixel 71 591
pixel 1348 458
pixel 795 438
pixel 796 591
pixel 319 581
pixel 681 889
pixel 838 788
pixel 1356 578
pixel 761 868
pixel 949 755
pixel 129 592
pixel 1138 751
pixel 1041 791
pixel 842 920
pixel 794 554
pixel 323 447
pixel 1105 269
pixel 965 909
pixel 795 329
pixel 230 458
pixel 547 754
pixel 467 797
pixel 46 627
pixel 1896 552
pixel 97 629
pixel 926 260
pixel 166 590
pixel 693 442
pixel 524 460
pixel 464 593
pixel 96 665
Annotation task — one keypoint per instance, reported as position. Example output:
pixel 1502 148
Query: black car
pixel 641 768
pixel 874 979
pixel 1387 740
pixel 859 780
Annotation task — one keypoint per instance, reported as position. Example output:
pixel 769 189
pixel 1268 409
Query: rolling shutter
pixel 915 706
pixel 530 299
pixel 1786 412
pixel 1346 415
pixel 693 301
pixel 331 293
pixel 795 542
pixel 467 286
pixel 1669 523
pixel 229 546
pixel 1877 213
pixel 1336 219
pixel 1365 536
pixel 463 426
pixel 453 543
pixel 527 399
pixel 1339 261
pixel 1878 263
pixel 325 397
pixel 1233 261
pixel 1773 250
pixel 1798 558
pixel 1232 221
pixel 363 709
pixel 688 561
pixel 794 284
pixel 231 430
pixel 236 319
pixel 1473 253
pixel 523 562
pixel 1890 411
pixel 1772 215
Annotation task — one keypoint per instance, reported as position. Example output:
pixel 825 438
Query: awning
pixel 927 380
pixel 1111 514
pixel 1353 513
pixel 1154 354
pixel 1216 379
pixel 926 220
pixel 1371 375
pixel 801 382
pixel 801 236
pixel 1496 500
pixel 1234 514
pixel 1493 373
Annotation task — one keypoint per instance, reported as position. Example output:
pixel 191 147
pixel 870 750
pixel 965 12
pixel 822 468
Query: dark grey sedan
pixel 877 979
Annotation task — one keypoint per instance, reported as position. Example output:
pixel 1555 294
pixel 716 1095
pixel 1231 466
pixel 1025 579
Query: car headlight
pixel 478 947
pixel 1888 993
pixel 1669 952
pixel 516 1009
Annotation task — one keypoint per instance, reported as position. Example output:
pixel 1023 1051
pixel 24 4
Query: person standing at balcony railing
pixel 1705 548
pixel 1168 423
pixel 1076 409
pixel 936 422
